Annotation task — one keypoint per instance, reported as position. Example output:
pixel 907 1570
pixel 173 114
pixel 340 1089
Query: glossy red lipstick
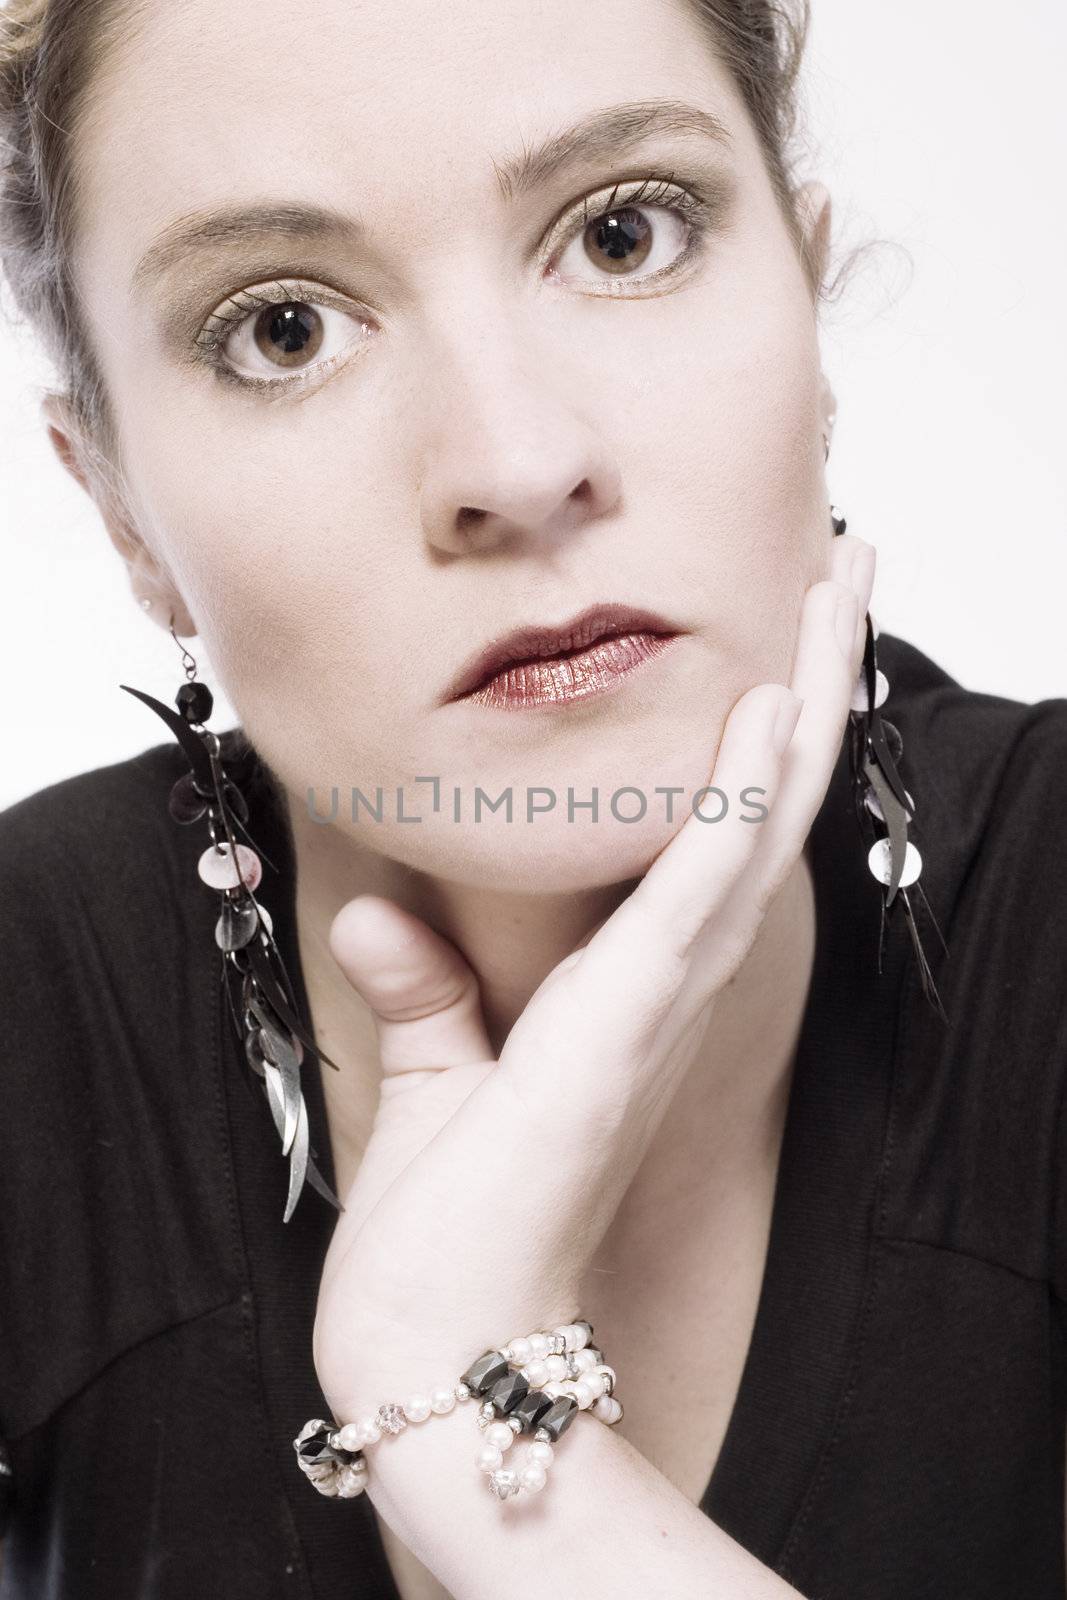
pixel 545 666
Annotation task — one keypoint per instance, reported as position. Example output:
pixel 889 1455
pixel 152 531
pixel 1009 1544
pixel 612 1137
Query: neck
pixel 512 942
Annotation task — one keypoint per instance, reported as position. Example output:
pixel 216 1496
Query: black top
pixel 899 1429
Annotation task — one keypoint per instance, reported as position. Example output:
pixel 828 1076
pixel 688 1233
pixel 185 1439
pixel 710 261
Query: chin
pixel 546 856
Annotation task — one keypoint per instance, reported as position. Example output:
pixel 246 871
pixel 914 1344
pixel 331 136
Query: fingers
pixel 738 863
pixel 825 668
pixel 420 989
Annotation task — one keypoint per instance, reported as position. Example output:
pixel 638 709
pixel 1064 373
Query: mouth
pixel 552 665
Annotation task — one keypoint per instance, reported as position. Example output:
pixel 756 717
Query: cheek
pixel 277 550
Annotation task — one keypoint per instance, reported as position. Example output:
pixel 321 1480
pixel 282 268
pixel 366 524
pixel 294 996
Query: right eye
pixel 256 333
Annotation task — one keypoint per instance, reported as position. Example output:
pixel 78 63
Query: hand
pixel 487 1185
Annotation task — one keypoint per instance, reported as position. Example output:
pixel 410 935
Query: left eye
pixel 630 241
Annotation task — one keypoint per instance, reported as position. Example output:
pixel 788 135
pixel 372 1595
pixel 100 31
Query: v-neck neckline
pixel 804 1339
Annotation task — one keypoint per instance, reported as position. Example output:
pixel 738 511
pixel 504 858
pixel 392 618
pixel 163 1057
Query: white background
pixel 938 128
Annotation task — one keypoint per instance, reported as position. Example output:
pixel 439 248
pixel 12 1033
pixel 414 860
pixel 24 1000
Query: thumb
pixel 421 991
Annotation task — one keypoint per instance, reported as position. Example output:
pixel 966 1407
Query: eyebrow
pixel 611 132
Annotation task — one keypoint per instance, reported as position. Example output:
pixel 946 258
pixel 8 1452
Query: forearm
pixel 606 1523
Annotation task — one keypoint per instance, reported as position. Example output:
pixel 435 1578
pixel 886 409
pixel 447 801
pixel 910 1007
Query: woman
pixel 362 383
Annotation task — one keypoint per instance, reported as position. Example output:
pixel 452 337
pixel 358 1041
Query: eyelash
pixel 695 204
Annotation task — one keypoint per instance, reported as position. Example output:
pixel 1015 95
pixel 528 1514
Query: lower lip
pixel 558 680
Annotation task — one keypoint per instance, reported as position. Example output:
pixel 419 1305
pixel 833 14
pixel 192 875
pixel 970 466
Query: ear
pixel 814 213
pixel 148 578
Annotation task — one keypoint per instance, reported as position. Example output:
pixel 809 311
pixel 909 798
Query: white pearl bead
pixel 555 1390
pixel 606 1409
pixel 542 1452
pixel 368 1431
pixel 499 1434
pixel 519 1351
pixel 556 1366
pixel 539 1346
pixel 348 1437
pixel 351 1481
pixel 442 1400
pixel 533 1477
pixel 584 1393
pixel 536 1373
pixel 859 692
pixel 417 1407
pixel 878 859
pixel 489 1458
pixel 585 1359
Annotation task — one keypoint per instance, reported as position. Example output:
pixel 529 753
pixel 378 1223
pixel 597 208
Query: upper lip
pixel 601 621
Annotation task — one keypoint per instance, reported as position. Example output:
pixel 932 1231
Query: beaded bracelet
pixel 533 1385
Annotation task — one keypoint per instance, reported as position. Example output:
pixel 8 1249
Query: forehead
pixel 347 103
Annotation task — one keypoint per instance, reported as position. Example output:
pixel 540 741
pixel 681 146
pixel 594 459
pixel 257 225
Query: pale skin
pixel 501 424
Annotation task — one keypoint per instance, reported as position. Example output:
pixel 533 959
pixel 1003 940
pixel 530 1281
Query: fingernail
pixel 861 573
pixel 785 722
pixel 845 620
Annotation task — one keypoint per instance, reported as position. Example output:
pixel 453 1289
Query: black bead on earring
pixel 875 746
pixel 273 1037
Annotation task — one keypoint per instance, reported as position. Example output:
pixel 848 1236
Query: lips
pixel 597 622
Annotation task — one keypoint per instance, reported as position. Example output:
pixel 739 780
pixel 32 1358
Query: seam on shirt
pixel 169 1326
pixel 969 1255
pixel 220 1018
pixel 872 1272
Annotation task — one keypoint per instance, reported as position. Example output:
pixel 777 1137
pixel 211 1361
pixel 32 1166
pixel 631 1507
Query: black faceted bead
pixel 557 1419
pixel 487 1370
pixel 507 1392
pixel 530 1408
pixel 318 1448
pixel 194 702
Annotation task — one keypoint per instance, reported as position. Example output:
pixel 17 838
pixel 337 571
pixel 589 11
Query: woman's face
pixel 480 409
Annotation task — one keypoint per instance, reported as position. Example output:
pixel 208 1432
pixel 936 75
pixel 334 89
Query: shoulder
pixel 987 775
pixel 979 1106
pixel 112 1145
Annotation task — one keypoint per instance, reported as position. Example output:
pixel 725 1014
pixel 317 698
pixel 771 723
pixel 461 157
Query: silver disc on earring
pixel 859 693
pixel 880 863
pixel 874 805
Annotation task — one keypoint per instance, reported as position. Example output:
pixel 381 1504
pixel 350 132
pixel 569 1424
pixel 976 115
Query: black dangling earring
pixel 266 1023
pixel 875 746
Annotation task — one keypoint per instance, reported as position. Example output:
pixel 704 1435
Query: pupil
pixel 289 328
pixel 618 233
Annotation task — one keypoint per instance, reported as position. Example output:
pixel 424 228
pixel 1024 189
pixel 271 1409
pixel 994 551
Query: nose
pixel 512 459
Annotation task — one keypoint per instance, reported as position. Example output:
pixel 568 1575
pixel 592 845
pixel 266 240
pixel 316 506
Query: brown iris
pixel 289 334
pixel 624 236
